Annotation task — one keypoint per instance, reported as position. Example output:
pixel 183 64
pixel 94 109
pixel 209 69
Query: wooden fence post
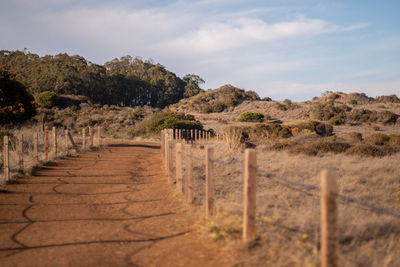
pixel 162 145
pixel 83 138
pixel 35 148
pixel 170 163
pixel 20 153
pixel 66 142
pixel 72 142
pixel 6 159
pixel 54 141
pixel 250 190
pixel 98 135
pixel 46 143
pixel 210 185
pixel 329 238
pixel 90 137
pixel 188 175
pixel 178 167
pixel 166 139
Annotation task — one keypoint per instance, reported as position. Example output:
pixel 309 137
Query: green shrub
pixel 378 139
pixel 172 121
pixel 336 121
pixel 46 99
pixel 251 117
pixel 376 128
pixel 322 129
pixel 320 147
pixel 328 110
pixel 367 150
pixel 269 131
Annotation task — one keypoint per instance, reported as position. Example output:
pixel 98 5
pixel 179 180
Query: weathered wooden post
pixel 178 167
pixel 46 143
pixel 166 139
pixel 210 185
pixel 54 141
pixel 188 175
pixel 162 145
pixel 90 137
pixel 99 135
pixel 84 138
pixel 170 163
pixel 35 148
pixel 329 239
pixel 72 142
pixel 250 190
pixel 66 142
pixel 20 153
pixel 6 159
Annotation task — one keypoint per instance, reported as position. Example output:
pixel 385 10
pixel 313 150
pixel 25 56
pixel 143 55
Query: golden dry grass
pixel 288 218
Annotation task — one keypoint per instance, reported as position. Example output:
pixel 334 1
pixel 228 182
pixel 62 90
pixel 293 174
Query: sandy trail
pixel 110 207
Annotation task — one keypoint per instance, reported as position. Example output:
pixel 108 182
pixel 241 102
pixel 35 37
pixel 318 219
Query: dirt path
pixel 107 208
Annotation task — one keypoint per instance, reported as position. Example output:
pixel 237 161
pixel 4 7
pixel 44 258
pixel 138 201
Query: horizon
pixel 279 49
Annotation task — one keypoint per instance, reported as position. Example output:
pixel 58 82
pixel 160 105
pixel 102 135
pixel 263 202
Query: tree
pixel 192 86
pixel 16 104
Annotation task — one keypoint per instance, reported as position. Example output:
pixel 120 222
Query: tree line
pixel 127 81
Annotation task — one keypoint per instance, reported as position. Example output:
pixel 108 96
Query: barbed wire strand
pixel 308 187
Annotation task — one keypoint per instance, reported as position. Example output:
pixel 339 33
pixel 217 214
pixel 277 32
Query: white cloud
pixel 217 36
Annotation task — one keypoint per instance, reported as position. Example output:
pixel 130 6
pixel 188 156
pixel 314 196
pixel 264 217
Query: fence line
pixel 27 150
pixel 328 190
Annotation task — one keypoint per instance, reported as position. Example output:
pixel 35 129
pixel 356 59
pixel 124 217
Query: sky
pixel 283 49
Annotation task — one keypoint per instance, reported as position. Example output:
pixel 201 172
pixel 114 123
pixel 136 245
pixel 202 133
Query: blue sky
pixel 282 49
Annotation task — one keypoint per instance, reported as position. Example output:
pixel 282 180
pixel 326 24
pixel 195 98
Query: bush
pixel 335 121
pixel 269 131
pixel 317 148
pixel 251 117
pixel 394 140
pixel 322 129
pixel 46 99
pixel 367 150
pixel 280 106
pixel 16 104
pixel 326 111
pixel 378 139
pixel 355 136
pixel 172 121
pixel 376 128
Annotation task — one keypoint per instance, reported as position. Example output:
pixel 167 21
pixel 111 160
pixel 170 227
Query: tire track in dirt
pixel 109 207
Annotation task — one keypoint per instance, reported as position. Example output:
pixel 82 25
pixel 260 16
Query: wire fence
pixel 300 187
pixel 25 150
pixel 290 183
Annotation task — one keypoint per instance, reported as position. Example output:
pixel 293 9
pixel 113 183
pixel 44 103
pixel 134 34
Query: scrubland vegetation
pixel 355 135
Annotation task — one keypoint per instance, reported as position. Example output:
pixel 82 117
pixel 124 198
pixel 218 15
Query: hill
pixel 125 82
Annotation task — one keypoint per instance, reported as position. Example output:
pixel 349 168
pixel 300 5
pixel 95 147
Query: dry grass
pixel 288 219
